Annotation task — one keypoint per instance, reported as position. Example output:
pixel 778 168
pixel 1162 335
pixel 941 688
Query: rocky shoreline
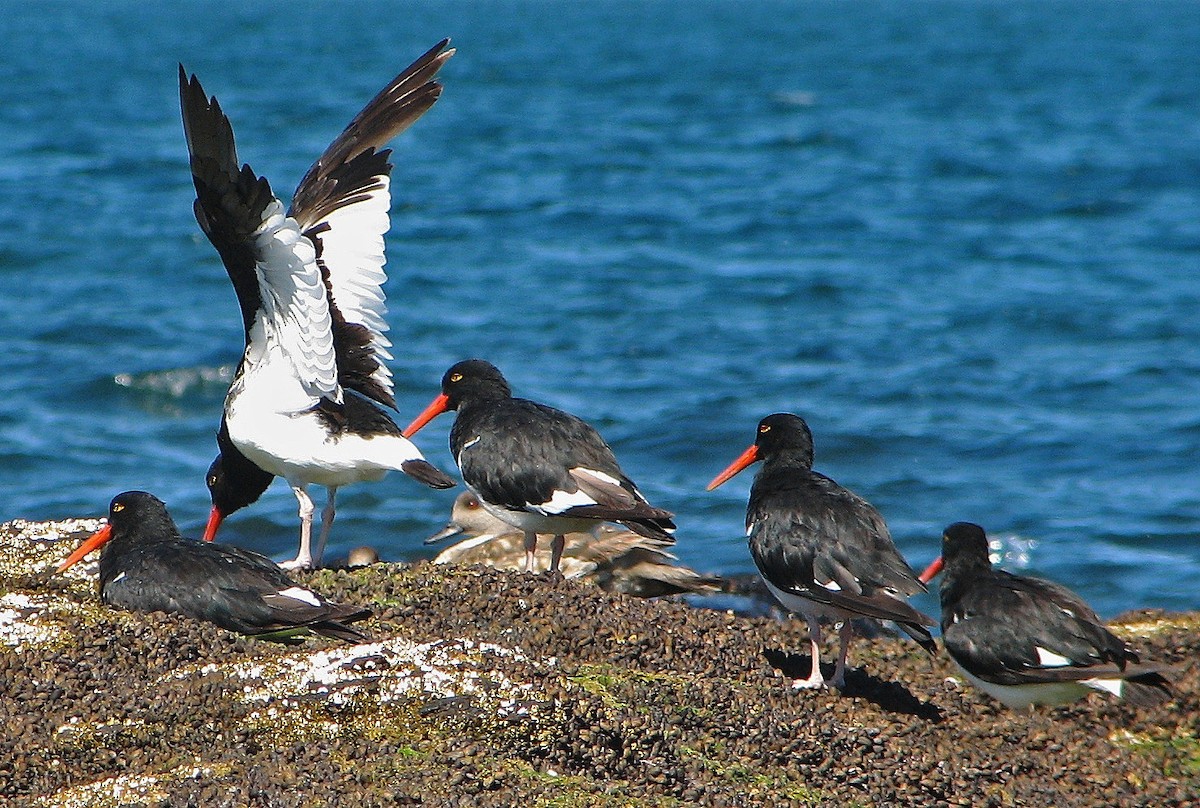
pixel 488 688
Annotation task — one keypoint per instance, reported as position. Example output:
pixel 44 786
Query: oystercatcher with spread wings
pixel 822 550
pixel 306 403
pixel 1027 641
pixel 537 468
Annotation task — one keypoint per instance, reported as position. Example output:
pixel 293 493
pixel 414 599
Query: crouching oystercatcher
pixel 147 566
pixel 306 402
pixel 537 468
pixel 822 550
pixel 1026 640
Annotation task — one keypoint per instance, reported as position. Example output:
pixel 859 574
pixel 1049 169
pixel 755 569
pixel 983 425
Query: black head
pixel 473 379
pixel 965 545
pixel 234 482
pixel 784 433
pixel 138 514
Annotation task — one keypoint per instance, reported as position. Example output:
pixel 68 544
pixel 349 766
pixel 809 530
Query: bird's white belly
pixel 538 523
pixel 810 609
pixel 1019 697
pixel 297 445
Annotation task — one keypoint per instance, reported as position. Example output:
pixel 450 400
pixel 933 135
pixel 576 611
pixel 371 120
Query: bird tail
pixel 335 624
pixel 921 634
pixel 1147 687
pixel 339 631
pixel 653 527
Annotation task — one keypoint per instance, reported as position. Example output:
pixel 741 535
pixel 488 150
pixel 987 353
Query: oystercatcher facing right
pixel 537 468
pixel 307 400
pixel 147 566
pixel 821 549
pixel 1028 641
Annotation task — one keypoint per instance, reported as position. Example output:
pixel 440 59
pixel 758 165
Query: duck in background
pixel 616 560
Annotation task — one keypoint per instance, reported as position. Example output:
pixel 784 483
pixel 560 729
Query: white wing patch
pixel 296 313
pixel 352 249
pixel 600 475
pixel 1114 686
pixel 1049 659
pixel 119 577
pixel 832 586
pixel 562 501
pixel 301 594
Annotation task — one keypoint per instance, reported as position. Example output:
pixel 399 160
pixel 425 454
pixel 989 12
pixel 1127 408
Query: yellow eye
pixel 118 507
pixel 764 429
pixel 456 377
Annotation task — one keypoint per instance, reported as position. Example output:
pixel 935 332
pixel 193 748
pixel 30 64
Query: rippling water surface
pixel 961 239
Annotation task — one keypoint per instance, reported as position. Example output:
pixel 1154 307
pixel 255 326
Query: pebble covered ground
pixel 490 688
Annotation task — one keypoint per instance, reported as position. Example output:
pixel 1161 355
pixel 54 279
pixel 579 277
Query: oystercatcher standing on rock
pixel 537 468
pixel 822 550
pixel 306 403
pixel 1028 641
pixel 147 566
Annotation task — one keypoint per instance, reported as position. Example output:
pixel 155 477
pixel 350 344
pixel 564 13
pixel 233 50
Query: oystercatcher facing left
pixel 537 468
pixel 615 559
pixel 147 566
pixel 1028 641
pixel 307 399
pixel 821 549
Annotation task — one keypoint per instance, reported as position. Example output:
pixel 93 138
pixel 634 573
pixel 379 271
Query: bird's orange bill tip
pixel 215 517
pixel 435 408
pixel 96 540
pixel 744 459
pixel 931 571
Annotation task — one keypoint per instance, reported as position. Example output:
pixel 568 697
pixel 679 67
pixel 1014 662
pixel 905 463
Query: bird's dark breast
pixel 517 452
pixel 783 549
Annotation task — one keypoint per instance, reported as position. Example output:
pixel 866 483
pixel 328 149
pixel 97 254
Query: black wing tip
pixel 340 631
pixel 425 472
pixel 921 636
pixel 653 527
pixel 1147 689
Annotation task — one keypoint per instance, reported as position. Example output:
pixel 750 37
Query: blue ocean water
pixel 961 238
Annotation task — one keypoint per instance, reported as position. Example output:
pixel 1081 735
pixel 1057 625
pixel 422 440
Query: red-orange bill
pixel 214 521
pixel 435 408
pixel 744 459
pixel 93 542
pixel 931 571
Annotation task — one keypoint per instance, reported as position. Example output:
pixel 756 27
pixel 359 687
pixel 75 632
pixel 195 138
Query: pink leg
pixel 845 635
pixel 530 551
pixel 814 679
pixel 556 550
pixel 303 559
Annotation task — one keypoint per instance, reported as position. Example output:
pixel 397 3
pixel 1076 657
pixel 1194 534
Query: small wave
pixel 176 382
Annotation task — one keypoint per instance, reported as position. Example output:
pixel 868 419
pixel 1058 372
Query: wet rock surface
pixel 488 688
